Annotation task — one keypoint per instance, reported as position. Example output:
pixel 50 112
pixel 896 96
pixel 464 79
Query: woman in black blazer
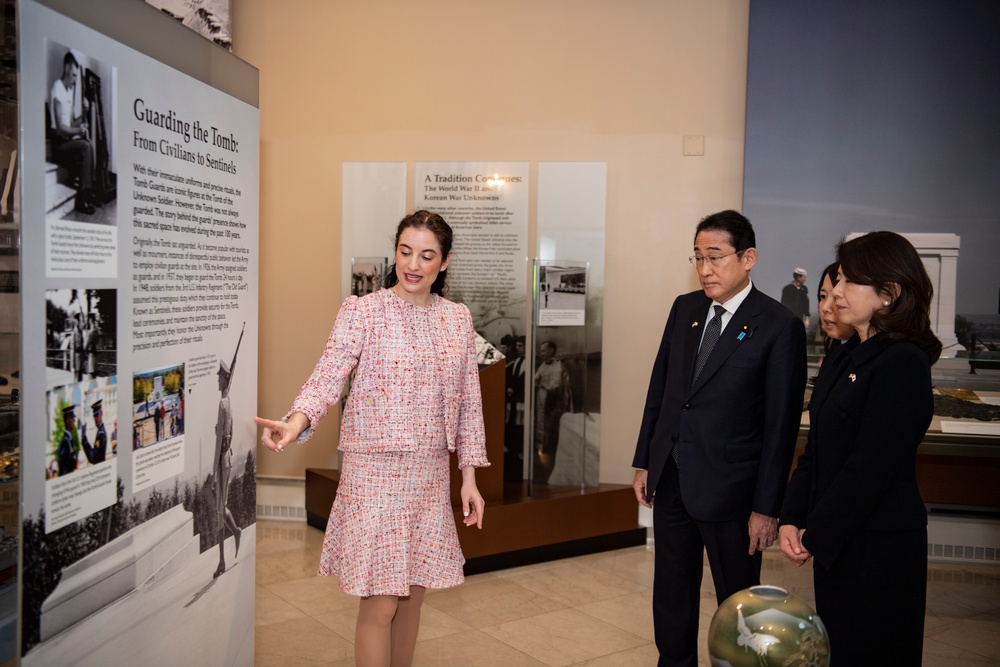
pixel 835 332
pixel 852 502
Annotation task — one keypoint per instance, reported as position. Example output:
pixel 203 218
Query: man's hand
pixel 763 531
pixel 790 540
pixel 639 486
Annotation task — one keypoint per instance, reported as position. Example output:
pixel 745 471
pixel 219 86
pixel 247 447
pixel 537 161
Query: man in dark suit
pixel 66 454
pixel 514 423
pixel 97 452
pixel 718 432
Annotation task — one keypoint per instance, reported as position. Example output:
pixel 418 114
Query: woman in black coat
pixel 835 334
pixel 852 502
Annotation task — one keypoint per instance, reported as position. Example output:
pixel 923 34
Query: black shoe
pixel 82 206
pixel 88 196
pixel 219 570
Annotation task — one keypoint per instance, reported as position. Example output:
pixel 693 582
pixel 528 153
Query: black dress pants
pixel 78 156
pixel 681 543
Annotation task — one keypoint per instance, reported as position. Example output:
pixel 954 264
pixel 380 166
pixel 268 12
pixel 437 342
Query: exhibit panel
pixel 139 172
pixel 486 204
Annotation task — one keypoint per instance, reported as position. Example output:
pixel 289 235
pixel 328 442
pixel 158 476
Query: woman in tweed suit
pixel 414 397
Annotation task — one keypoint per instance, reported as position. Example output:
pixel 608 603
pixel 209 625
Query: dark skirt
pixel 873 599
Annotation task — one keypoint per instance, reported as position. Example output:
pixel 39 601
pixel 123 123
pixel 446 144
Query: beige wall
pixel 527 80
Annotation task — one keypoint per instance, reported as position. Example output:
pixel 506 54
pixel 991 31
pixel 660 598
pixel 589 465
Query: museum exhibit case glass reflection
pixel 563 416
pixel 10 336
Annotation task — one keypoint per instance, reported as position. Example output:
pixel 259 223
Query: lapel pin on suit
pixel 694 324
pixel 853 377
pixel 746 333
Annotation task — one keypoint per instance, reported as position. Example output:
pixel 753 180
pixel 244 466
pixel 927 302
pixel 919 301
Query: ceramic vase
pixel 766 626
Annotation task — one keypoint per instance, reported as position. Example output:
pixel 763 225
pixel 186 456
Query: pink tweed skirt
pixel 392 525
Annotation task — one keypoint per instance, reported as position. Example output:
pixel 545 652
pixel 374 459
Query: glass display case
pixel 564 411
pixel 958 462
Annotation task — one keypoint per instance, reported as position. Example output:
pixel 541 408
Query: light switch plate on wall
pixel 694 144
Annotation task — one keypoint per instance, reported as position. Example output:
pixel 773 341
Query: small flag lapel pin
pixel 853 377
pixel 694 324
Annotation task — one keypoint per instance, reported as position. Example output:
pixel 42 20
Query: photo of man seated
pixel 71 140
pixel 80 173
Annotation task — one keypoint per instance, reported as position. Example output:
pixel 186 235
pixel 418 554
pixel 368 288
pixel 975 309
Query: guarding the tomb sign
pixel 139 361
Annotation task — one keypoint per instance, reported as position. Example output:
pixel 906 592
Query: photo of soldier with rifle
pixel 224 458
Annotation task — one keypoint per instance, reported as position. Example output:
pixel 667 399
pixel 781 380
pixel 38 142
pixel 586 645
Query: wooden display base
pixel 550 524
pixel 553 522
pixel 954 472
pixel 520 530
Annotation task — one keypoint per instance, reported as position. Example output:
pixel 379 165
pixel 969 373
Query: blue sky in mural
pixel 874 114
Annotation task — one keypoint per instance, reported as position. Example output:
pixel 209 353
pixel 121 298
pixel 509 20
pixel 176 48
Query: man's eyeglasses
pixel 713 260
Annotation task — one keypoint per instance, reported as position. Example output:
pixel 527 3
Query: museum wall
pixel 565 80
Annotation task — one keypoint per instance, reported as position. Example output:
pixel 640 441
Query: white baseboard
pixel 950 538
pixel 963 539
pixel 281 499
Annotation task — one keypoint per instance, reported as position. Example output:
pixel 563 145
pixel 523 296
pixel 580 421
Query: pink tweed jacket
pixel 375 334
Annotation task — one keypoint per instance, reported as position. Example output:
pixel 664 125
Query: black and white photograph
pixel 562 295
pixel 81 335
pixel 223 460
pixel 565 432
pixel 80 170
pixel 553 398
pixel 515 386
pixel 367 274
pixel 208 18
